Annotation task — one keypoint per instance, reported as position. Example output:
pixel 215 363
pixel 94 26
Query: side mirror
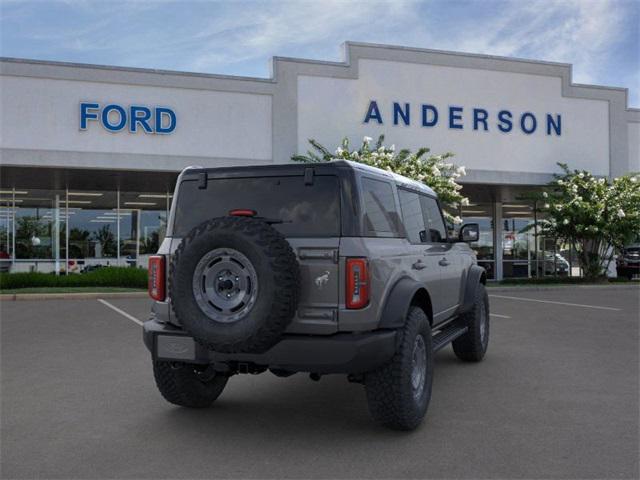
pixel 469 232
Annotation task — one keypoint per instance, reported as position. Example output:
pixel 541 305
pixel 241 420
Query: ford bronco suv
pixel 320 268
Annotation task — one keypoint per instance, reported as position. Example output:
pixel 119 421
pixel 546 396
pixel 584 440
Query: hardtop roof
pixel 320 168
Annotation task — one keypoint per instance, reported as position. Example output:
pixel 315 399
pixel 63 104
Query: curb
pixel 70 296
pixel 534 288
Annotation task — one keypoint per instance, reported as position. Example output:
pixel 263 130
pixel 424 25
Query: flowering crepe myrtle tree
pixel 596 216
pixel 432 170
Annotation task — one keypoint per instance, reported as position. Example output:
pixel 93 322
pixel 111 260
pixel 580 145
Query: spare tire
pixel 234 284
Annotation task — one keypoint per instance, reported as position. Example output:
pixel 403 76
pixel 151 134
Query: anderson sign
pixel 460 118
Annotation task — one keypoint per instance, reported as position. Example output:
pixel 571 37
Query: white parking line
pixel 499 316
pixel 556 303
pixel 121 312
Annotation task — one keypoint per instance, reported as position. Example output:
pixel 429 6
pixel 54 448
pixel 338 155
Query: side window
pixel 412 216
pixel 379 206
pixel 433 219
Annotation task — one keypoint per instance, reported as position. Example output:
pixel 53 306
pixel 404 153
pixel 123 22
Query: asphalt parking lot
pixel 556 397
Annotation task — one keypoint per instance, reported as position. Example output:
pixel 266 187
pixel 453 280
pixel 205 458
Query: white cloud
pixel 580 32
pixel 240 37
pixel 258 33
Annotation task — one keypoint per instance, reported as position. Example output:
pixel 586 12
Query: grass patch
pixel 122 277
pixel 70 290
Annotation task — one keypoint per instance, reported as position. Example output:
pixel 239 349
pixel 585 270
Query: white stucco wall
pixel 43 114
pixel 633 129
pixel 329 108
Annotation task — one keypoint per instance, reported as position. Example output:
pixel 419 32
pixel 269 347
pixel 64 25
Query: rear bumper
pixel 338 353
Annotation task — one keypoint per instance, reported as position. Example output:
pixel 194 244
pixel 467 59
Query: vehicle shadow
pixel 294 406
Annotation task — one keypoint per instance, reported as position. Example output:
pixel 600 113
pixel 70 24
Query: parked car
pixel 554 264
pixel 5 261
pixel 330 268
pixel 628 262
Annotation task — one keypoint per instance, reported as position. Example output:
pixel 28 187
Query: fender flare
pixel 397 303
pixel 476 276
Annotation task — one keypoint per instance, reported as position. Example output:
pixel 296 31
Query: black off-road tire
pixel 182 385
pixel 278 288
pixel 472 346
pixel 390 394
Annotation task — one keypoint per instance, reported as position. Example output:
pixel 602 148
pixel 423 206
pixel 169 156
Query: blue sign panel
pixel 134 118
pixel 458 117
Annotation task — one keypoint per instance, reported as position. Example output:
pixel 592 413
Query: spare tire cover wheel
pixel 225 285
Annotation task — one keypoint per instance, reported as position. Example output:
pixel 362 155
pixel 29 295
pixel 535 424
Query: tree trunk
pixel 590 259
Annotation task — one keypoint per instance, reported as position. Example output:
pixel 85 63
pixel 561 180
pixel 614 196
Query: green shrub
pixel 102 277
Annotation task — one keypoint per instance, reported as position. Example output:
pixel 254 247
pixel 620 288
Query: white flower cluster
pixel 594 214
pixel 433 170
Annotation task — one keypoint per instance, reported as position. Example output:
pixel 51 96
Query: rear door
pixel 444 255
pixel 424 263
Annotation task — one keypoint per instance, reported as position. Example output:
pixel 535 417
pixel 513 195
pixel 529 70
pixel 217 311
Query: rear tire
pixel 398 393
pixel 472 346
pixel 182 384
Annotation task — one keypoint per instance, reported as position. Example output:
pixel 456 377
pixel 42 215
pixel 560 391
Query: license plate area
pixel 175 347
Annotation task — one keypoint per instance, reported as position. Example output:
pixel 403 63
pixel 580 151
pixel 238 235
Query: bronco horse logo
pixel 322 280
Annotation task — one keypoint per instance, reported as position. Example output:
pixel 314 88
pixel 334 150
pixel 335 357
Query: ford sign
pixel 134 118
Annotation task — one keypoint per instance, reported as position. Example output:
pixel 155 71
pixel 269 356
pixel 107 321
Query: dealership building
pixel 90 154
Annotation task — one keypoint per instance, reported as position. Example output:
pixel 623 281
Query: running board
pixel 447 335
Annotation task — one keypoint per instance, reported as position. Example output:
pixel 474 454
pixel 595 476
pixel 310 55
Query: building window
pixel 74 231
pixel 483 215
pixel 92 229
pixel 38 227
pixel 518 240
pixel 143 225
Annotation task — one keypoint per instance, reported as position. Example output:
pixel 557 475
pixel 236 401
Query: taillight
pixel 242 212
pixel 156 277
pixel 357 283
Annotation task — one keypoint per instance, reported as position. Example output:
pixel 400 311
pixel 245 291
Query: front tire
pixel 185 385
pixel 398 393
pixel 472 346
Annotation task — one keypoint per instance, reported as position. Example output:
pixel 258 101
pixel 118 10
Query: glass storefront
pixel 75 230
pixel 483 215
pixel 78 230
pixel 524 251
pixel 518 240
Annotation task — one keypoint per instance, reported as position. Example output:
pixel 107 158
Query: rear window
pixel 305 210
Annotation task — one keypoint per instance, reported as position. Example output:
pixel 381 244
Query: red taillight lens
pixel 242 212
pixel 357 283
pixel 156 277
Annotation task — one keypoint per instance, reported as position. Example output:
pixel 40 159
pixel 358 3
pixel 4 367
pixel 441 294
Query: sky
pixel 601 38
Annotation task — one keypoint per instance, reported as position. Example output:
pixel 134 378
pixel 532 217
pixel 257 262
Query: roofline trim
pixel 347 46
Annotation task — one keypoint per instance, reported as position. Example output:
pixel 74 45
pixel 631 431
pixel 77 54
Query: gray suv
pixel 324 268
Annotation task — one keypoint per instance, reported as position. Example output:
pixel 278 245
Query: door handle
pixel 418 265
pixel 443 262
